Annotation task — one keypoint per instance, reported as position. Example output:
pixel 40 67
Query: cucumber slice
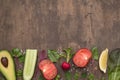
pixel 29 65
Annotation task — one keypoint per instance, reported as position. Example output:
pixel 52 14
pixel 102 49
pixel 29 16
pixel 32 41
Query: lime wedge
pixel 29 65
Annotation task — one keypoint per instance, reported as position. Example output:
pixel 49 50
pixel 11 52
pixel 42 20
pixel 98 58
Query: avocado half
pixel 7 67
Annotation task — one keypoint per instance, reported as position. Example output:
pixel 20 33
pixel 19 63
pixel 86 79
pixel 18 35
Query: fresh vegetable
pixel 29 65
pixel 114 65
pixel 84 75
pixel 57 77
pixel 103 60
pixel 42 55
pixel 21 58
pixel 41 77
pixel 48 69
pixel 91 76
pixel 68 75
pixel 7 66
pixel 19 73
pixel 82 57
pixel 95 55
pixel 17 53
pixel 76 76
pixel 69 54
pixel 65 66
pixel 53 55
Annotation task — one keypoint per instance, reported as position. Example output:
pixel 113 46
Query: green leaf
pixel 114 65
pixel 41 77
pixel 76 76
pixel 57 77
pixel 53 55
pixel 22 58
pixel 95 53
pixel 19 73
pixel 16 52
pixel 68 76
pixel 84 75
pixel 68 54
pixel 91 77
pixel 114 75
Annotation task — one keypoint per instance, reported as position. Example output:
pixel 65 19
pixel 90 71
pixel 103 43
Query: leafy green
pixel 95 53
pixel 57 77
pixel 68 76
pixel 91 77
pixel 114 65
pixel 53 55
pixel 84 75
pixel 16 52
pixel 19 73
pixel 68 54
pixel 76 76
pixel 41 77
pixel 22 58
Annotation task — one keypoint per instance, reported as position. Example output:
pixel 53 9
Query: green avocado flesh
pixel 7 69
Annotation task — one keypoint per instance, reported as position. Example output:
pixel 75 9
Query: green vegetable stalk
pixel 114 65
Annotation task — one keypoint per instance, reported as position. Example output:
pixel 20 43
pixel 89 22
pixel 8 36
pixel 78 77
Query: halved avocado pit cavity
pixel 4 61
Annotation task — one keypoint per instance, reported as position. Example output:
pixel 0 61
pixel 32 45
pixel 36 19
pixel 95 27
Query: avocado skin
pixel 9 71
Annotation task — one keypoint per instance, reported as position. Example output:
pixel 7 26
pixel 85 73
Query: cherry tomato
pixel 82 57
pixel 48 69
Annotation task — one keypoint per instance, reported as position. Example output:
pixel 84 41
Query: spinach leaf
pixel 114 65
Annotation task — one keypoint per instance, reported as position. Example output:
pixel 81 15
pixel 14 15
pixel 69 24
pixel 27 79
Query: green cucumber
pixel 29 65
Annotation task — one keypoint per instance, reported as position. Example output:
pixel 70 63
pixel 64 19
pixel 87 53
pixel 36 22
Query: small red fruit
pixel 82 57
pixel 65 66
pixel 48 69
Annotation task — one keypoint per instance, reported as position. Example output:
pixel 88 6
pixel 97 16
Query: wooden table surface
pixel 53 24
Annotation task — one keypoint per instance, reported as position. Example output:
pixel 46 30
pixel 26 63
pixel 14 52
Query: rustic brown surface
pixel 51 24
